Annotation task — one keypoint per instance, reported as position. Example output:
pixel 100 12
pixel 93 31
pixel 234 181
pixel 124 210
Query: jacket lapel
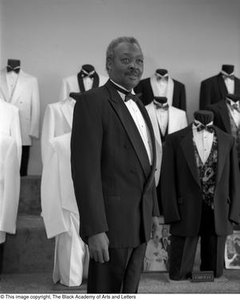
pixel 222 152
pixel 222 85
pixel 130 127
pixel 225 116
pixel 67 111
pixel 188 151
pixel 3 85
pixel 18 87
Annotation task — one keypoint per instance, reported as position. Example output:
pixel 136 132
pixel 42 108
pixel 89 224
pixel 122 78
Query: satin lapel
pixel 95 80
pixel 225 116
pixel 18 87
pixel 222 85
pixel 80 83
pixel 130 127
pixel 188 150
pixel 153 83
pixel 222 153
pixel 3 85
pixel 236 86
pixel 171 120
pixel 67 111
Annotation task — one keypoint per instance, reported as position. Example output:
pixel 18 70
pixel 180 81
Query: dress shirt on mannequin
pixel 215 88
pixel 160 84
pixel 21 90
pixel 86 79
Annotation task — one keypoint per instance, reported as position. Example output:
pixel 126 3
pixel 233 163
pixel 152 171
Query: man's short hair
pixel 114 43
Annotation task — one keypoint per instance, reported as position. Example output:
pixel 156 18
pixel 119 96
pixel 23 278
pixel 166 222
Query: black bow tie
pixel 159 77
pixel 234 105
pixel 128 94
pixel 85 74
pixel 13 69
pixel 163 106
pixel 225 76
pixel 201 127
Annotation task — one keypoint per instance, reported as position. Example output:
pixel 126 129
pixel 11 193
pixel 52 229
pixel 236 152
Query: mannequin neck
pixel 233 97
pixel 203 116
pixel 88 68
pixel 229 69
pixel 161 100
pixel 13 63
pixel 161 72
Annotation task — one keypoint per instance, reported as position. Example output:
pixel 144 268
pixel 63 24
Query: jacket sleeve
pixel 169 184
pixel 86 146
pixel 234 213
pixel 47 130
pixel 35 110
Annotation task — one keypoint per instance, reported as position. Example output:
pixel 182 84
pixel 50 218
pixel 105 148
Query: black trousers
pixel 120 275
pixel 183 250
pixel 24 160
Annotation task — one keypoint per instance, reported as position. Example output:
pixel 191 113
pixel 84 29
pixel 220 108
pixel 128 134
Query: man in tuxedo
pixel 113 161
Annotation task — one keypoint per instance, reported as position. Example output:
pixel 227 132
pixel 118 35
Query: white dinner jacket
pixel 25 97
pixel 57 192
pixel 177 119
pixel 70 84
pixel 57 121
pixel 9 184
pixel 10 124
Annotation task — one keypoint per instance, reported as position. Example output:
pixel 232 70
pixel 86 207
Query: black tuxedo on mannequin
pixel 213 89
pixel 146 88
pixel 186 212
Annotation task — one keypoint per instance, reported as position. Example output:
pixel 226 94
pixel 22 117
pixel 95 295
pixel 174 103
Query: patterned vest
pixel 207 172
pixel 235 131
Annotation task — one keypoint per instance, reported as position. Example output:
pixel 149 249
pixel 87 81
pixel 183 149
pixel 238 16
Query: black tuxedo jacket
pixel 214 89
pixel 181 187
pixel 113 179
pixel 179 94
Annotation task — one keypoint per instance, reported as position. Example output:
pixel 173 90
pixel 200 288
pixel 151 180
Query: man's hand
pixel 98 247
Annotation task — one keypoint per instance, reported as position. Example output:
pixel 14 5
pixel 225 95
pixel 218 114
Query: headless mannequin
pixel 87 78
pixel 161 100
pixel 161 72
pixel 204 116
pixel 13 64
pixel 233 97
pixel 229 69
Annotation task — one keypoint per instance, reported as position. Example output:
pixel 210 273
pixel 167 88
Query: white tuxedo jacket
pixel 60 214
pixel 25 97
pixel 177 119
pixel 10 124
pixel 70 84
pixel 57 121
pixel 9 184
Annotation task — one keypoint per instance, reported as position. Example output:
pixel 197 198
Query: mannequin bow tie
pixel 85 74
pixel 225 76
pixel 163 106
pixel 12 69
pixel 160 77
pixel 234 106
pixel 201 127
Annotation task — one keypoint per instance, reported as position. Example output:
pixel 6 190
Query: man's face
pixel 126 68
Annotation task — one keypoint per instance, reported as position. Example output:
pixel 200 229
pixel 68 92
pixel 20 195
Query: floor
pixel 151 283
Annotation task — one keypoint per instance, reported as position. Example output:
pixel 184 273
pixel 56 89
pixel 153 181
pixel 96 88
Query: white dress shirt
pixel 162 118
pixel 234 113
pixel 229 83
pixel 88 83
pixel 12 78
pixel 140 123
pixel 203 140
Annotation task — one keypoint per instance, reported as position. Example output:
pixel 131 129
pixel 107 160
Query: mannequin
pixel 215 88
pixel 204 116
pixel 233 97
pixel 160 84
pixel 162 72
pixel 229 69
pixel 13 65
pixel 199 171
pixel 21 90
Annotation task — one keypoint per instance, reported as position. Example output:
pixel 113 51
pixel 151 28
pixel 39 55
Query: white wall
pixel 54 38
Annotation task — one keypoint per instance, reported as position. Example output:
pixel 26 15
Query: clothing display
pixel 85 80
pixel 200 194
pixel 165 119
pixel 161 84
pixel 9 185
pixel 21 90
pixel 215 88
pixel 57 121
pixel 10 124
pixel 60 214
